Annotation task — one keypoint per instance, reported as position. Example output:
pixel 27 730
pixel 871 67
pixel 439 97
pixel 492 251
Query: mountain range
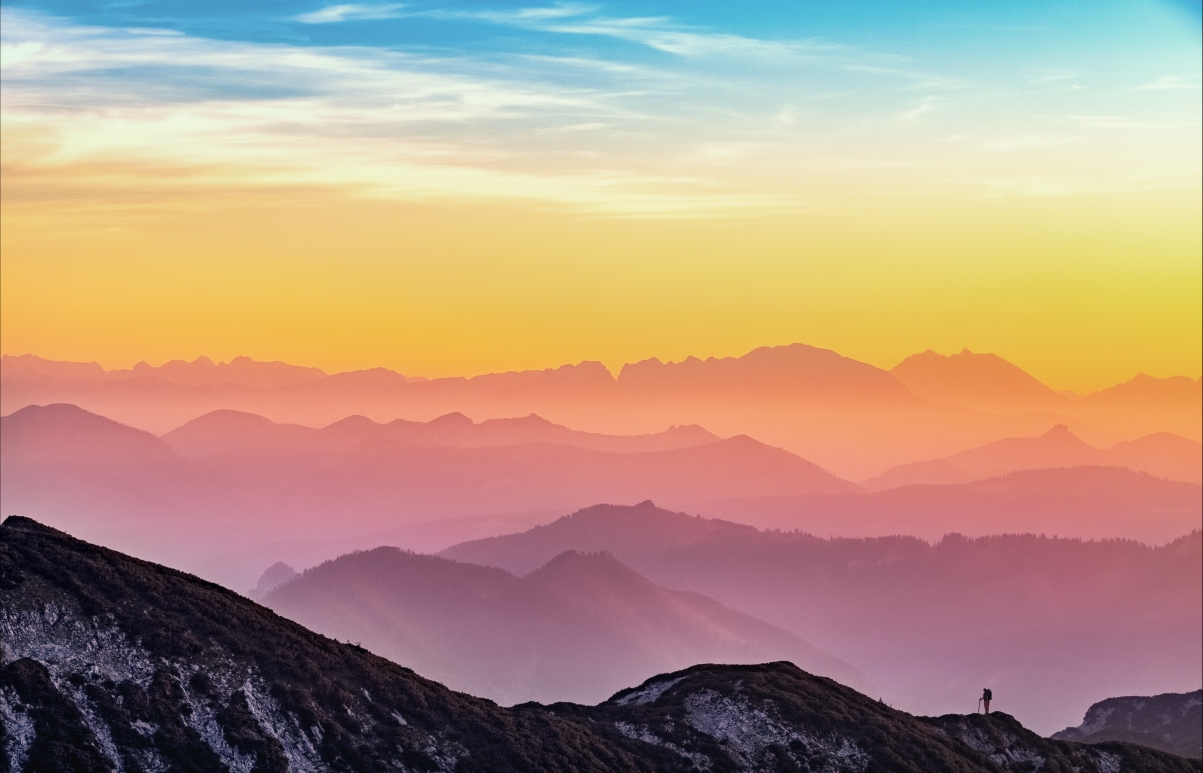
pixel 1162 454
pixel 229 493
pixel 223 484
pixel 851 418
pixel 1081 502
pixel 112 663
pixel 578 628
pixel 925 623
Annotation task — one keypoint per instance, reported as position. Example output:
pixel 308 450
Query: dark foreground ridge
pixel 111 663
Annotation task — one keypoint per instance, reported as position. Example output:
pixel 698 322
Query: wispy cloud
pixel 921 108
pixel 1170 83
pixel 332 14
pixel 720 123
pixel 661 33
pixel 349 118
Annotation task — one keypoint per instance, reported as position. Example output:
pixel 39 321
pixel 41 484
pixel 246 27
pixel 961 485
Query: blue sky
pixel 603 100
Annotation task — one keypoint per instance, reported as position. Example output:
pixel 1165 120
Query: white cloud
pixel 657 32
pixel 332 14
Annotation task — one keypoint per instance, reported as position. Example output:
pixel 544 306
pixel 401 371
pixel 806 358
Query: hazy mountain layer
pixel 980 381
pixel 929 625
pixel 1080 502
pixel 230 493
pixel 850 417
pixel 1163 455
pixel 111 663
pixel 228 482
pixel 578 628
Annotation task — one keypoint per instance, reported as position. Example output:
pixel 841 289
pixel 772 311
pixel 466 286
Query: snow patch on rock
pixel 66 645
pixel 753 736
pixel 644 733
pixel 648 693
pixel 1107 762
pixel 18 726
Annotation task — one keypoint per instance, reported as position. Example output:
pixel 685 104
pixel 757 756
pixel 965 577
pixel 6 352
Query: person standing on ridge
pixel 987 696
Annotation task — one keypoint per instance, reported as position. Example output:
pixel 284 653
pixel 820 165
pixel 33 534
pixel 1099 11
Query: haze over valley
pixel 918 582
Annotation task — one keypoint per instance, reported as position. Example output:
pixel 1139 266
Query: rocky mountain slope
pixel 110 663
pixel 1172 722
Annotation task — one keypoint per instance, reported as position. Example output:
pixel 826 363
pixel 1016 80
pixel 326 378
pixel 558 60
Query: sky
pixel 458 188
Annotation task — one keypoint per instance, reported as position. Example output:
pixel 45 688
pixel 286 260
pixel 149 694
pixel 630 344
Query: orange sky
pixel 1051 285
pixel 692 190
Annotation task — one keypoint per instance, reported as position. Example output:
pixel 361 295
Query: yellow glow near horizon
pixel 1083 291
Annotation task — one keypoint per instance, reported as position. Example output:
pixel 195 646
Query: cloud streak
pixel 332 14
pixel 354 121
pixel 721 124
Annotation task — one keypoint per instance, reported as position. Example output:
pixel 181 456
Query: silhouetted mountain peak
pixel 60 413
pixel 226 420
pixel 352 423
pixel 575 567
pixel 532 420
pixel 793 369
pixel 454 420
pixel 25 524
pixel 29 365
pixel 273 577
pixel 973 380
pixel 61 433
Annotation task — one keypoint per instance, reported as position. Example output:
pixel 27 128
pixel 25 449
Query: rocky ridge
pixel 1172 722
pixel 111 663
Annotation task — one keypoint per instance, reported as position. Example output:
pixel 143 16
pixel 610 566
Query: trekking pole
pixel 979 706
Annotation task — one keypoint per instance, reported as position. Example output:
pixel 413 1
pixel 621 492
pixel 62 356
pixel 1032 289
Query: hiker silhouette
pixel 987 696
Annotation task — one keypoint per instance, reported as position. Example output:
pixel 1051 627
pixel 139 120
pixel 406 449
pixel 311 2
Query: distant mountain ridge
pixel 576 629
pixel 1087 502
pixel 1162 454
pixel 225 432
pixel 984 381
pixel 112 663
pixel 200 372
pixel 185 497
pixel 1172 722
pixel 850 417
